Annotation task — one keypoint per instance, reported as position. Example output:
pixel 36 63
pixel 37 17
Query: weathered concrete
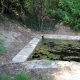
pixel 51 64
pixel 63 37
pixel 26 51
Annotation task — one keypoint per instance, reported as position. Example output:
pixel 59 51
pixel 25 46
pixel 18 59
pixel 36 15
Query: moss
pixel 52 49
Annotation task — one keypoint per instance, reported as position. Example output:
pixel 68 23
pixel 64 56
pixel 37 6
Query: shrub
pixel 68 11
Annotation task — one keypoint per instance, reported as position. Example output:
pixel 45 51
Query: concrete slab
pixel 36 64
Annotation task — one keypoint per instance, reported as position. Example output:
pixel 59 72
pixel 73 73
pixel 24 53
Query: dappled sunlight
pixel 63 64
pixel 67 71
pixel 74 75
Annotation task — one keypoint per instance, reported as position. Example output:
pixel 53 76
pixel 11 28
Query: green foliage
pixel 68 11
pixel 4 78
pixel 2 48
pixel 31 12
pixel 21 76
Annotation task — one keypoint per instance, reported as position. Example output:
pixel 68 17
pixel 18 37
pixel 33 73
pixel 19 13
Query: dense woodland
pixel 42 13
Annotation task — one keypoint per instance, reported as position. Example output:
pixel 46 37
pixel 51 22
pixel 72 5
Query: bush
pixel 68 11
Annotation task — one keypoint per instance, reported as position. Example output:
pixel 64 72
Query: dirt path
pixel 16 37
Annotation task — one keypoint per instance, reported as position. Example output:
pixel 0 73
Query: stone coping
pixel 23 55
pixel 62 37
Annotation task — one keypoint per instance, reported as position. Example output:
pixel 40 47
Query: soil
pixel 16 37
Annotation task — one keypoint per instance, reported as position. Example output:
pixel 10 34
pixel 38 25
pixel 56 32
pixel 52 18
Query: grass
pixel 19 76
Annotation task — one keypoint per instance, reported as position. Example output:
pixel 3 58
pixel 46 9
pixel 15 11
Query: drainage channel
pixel 24 54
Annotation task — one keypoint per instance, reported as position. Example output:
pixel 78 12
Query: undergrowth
pixel 29 22
pixel 11 18
pixel 19 76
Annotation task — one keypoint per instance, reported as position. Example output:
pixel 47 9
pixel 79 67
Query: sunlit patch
pixel 67 74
